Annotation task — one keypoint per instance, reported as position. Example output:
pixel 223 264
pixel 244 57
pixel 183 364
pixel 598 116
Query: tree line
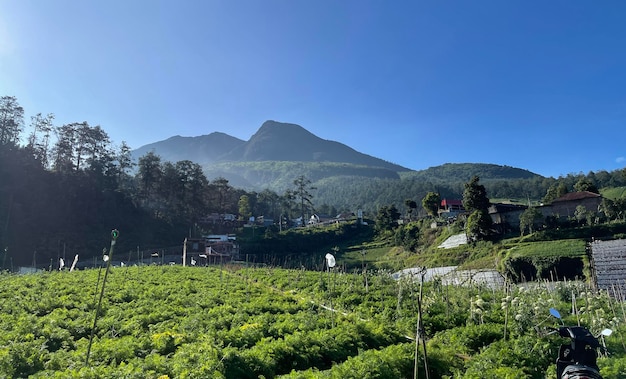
pixel 63 188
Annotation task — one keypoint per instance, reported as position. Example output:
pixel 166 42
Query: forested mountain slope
pixel 202 149
pixel 465 171
pixel 280 152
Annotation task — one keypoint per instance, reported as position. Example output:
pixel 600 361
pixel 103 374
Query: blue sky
pixel 539 85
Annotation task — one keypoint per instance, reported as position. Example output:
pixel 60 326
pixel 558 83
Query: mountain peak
pixel 282 130
pixel 273 141
pixel 273 123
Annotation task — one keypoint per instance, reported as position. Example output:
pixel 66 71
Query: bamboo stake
pixel 621 337
pixel 506 309
pixel 114 235
pixel 418 332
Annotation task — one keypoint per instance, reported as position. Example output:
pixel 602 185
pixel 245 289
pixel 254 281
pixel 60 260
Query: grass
pixel 560 248
pixel 486 255
pixel 487 262
pixel 613 193
pixel 373 255
pixel 439 257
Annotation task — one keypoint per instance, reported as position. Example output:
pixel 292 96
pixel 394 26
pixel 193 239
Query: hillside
pixel 280 152
pixel 279 175
pixel 202 149
pixel 465 171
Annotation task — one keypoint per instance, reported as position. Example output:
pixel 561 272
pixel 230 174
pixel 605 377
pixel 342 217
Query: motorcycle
pixel 577 359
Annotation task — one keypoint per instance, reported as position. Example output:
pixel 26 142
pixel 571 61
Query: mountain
pixel 202 149
pixel 274 141
pixel 280 152
pixel 272 158
pixel 277 141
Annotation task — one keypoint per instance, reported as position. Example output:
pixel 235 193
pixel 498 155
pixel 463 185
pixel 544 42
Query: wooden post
pixel 419 329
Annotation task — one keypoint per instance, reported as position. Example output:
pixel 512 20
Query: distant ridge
pixel 273 141
pixel 202 149
pixel 465 171
pixel 280 152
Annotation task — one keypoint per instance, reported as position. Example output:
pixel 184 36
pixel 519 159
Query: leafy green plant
pixel 237 322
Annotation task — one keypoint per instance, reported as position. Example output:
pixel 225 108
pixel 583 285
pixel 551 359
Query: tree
pixel 149 175
pixel 82 147
pixel 585 184
pixel 478 225
pixel 412 205
pixel 555 191
pixel 607 207
pixel 245 210
pixel 475 201
pixel 63 151
pixel 303 196
pixel 124 165
pixel 475 196
pixel 39 138
pixel 99 155
pixel 407 236
pixel 387 218
pixel 580 214
pixel 613 209
pixel 268 204
pixel 11 120
pixel 431 203
pixel 620 208
pixel 328 210
pixel 221 196
pixel 528 219
pixel 167 189
pixel 193 184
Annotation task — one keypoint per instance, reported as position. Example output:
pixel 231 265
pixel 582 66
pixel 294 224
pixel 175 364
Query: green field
pixel 560 248
pixel 235 322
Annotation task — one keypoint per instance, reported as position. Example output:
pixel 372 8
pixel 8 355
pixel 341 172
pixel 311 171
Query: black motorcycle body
pixel 577 359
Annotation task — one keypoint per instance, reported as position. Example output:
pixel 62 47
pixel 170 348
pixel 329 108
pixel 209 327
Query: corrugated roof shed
pixel 609 262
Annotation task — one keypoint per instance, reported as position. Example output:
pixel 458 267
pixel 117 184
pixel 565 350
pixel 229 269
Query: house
pixel 221 245
pixel 321 219
pixel 506 214
pixel 565 206
pixel 451 208
pixel 215 245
